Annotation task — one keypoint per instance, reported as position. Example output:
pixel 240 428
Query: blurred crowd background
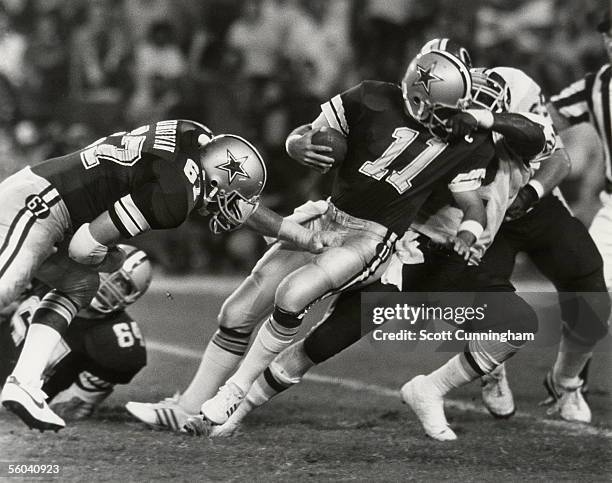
pixel 74 70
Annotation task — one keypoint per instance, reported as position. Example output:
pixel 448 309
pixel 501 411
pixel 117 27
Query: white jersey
pixel 525 97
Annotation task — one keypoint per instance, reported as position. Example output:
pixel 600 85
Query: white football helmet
pixel 435 86
pixel 123 287
pixel 490 90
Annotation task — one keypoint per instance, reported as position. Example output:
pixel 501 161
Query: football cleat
pixel 197 426
pixel 166 414
pixel 568 402
pixel 73 410
pixel 496 393
pixel 428 405
pixel 219 408
pixel 29 404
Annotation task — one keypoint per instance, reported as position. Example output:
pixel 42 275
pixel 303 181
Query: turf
pixel 319 431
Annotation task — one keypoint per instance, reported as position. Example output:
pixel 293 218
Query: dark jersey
pixel 110 346
pixel 393 162
pixel 148 178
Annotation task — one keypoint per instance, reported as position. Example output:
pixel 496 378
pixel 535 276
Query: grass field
pixel 346 422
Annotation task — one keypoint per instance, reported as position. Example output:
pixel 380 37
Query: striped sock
pixel 275 334
pixel 221 357
pixel 49 322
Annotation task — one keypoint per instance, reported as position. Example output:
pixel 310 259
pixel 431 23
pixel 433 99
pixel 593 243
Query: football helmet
pixel 123 287
pixel 234 175
pixel 490 90
pixel 448 45
pixel 435 85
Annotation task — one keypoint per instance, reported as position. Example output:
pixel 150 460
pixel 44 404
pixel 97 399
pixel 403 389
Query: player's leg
pixel 366 246
pixel 601 232
pixel 339 329
pixel 33 220
pixel 103 353
pixel 250 303
pixel 568 256
pixel 336 269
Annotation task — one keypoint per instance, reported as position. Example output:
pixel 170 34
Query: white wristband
pixel 85 249
pixel 472 226
pixel 484 118
pixel 537 186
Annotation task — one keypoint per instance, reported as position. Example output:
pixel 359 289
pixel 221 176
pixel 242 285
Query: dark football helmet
pixel 435 86
pixel 234 175
pixel 123 287
pixel 450 46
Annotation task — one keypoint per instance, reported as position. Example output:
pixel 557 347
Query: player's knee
pixel 291 297
pixel 586 316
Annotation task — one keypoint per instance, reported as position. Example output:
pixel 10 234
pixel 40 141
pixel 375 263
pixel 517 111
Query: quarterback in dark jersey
pixel 61 219
pixel 396 156
pixel 102 347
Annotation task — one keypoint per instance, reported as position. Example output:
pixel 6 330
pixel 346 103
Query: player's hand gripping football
pixel 320 240
pixel 302 149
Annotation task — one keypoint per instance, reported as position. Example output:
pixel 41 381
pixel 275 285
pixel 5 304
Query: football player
pixel 398 152
pixel 62 218
pixel 521 142
pixel 102 347
pixel 379 187
pixel 563 250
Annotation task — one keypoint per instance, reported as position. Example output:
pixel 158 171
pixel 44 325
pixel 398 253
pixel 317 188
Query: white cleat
pixel 568 402
pixel 496 393
pixel 29 404
pixel 219 408
pixel 428 405
pixel 232 426
pixel 166 414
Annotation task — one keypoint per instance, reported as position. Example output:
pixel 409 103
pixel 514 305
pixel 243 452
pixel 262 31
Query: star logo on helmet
pixel 233 166
pixel 426 77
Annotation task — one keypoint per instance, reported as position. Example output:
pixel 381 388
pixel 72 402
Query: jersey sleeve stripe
pixel 578 110
pixel 131 219
pixel 334 113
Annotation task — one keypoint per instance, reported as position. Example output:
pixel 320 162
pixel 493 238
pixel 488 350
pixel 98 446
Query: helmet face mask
pixel 123 287
pixel 489 90
pixel 234 176
pixel 435 86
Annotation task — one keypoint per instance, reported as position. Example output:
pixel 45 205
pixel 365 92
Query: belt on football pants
pixel 350 221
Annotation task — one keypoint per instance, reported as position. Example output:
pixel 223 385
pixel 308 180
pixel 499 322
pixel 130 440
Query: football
pixel 328 136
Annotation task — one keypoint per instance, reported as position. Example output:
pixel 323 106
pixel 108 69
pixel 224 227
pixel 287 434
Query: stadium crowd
pixel 73 70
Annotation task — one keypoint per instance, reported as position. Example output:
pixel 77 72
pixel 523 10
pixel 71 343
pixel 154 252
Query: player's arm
pixel 473 223
pixel 93 244
pixel 150 206
pixel 551 173
pixel 299 146
pixel 525 137
pixel 269 223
